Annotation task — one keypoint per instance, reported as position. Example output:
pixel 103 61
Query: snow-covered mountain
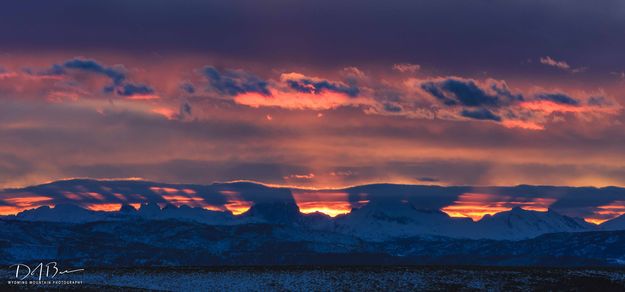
pixel 384 221
pixel 393 211
pixel 379 221
pixel 522 224
pixel 375 221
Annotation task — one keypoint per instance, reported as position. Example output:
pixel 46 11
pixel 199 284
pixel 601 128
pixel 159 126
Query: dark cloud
pixel 599 101
pixel 117 75
pixel 54 70
pixel 130 89
pixel 233 82
pixel 389 107
pixel 188 87
pixel 307 85
pixel 461 92
pixel 480 114
pixel 558 98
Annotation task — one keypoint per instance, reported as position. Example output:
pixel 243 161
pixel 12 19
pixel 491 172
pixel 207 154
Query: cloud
pixel 183 112
pixel 5 74
pixel 452 98
pixel 562 65
pixel 300 101
pixel 188 87
pixel 354 73
pixel 466 92
pixel 447 98
pixel 298 91
pixel 185 109
pixel 116 74
pixel 480 114
pixel 553 63
pixel 134 91
pixel 314 85
pixel 558 98
pixel 406 67
pixel 492 100
pixel 166 112
pixel 389 107
pixel 233 82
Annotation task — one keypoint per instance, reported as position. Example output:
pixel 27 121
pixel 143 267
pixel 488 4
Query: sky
pixel 316 94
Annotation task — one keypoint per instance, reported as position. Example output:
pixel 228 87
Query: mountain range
pixel 379 231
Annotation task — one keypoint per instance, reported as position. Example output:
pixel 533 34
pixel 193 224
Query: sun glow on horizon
pixel 606 212
pixel 476 206
pixel 329 203
pixel 235 204
pixel 19 204
pixel 106 207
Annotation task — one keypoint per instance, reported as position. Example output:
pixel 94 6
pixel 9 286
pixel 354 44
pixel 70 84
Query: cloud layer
pixel 314 93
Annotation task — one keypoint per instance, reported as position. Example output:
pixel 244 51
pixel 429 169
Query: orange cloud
pixel 178 197
pixel 164 190
pixel 143 97
pixel 300 176
pixel 94 195
pixel 166 112
pixel 607 212
pixel 549 107
pixel 522 124
pixel 19 204
pixel 104 207
pixel 236 205
pixel 324 100
pixel 178 200
pixel 7 75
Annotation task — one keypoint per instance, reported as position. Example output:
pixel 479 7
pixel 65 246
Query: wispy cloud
pixel 406 67
pixel 562 65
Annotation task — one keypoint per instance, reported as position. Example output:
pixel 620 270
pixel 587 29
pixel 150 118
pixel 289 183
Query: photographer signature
pixel 41 270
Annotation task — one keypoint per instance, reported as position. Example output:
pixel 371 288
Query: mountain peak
pixel 281 212
pixel 125 208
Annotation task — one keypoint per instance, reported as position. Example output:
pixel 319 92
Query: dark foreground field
pixel 338 278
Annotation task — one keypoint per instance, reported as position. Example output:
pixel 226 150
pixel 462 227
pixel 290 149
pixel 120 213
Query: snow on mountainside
pixel 617 223
pixel 522 224
pixel 378 221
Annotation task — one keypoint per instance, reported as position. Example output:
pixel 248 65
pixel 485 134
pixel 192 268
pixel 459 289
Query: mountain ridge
pixel 392 210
